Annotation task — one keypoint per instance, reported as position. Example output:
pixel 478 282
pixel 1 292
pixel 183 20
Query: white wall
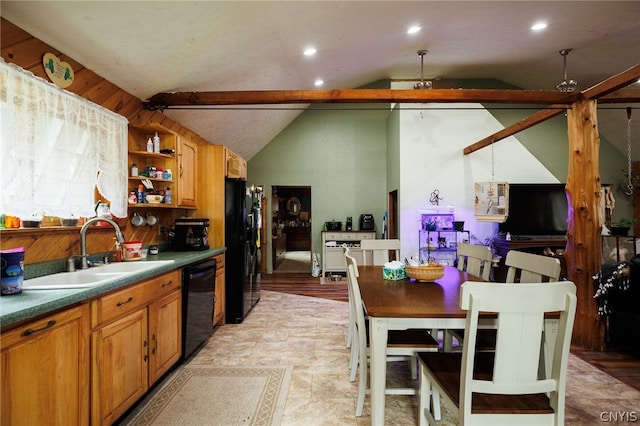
pixel 431 144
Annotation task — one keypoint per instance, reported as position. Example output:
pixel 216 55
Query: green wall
pixel 340 154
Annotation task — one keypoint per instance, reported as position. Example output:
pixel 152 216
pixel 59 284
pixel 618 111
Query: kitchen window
pixel 56 148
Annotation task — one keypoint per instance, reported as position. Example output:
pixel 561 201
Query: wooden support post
pixel 583 252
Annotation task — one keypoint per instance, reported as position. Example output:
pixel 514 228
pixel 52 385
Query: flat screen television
pixel 536 209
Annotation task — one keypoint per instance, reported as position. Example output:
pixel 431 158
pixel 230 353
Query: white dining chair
pixel 376 252
pixel 523 267
pixel 401 344
pixel 503 387
pixel 475 260
pixel 351 324
pixel 531 268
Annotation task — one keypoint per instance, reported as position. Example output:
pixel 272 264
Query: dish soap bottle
pixel 156 143
pixel 149 145
pixel 167 196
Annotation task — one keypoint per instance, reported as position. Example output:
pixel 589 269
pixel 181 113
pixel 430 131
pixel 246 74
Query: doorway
pixel 291 229
pixel 392 230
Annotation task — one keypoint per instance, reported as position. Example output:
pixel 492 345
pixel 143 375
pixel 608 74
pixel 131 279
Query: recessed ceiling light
pixel 414 29
pixel 310 51
pixel 318 83
pixel 539 26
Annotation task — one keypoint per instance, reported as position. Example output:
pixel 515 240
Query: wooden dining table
pixel 404 304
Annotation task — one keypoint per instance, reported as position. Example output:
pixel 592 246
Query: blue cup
pixel 12 273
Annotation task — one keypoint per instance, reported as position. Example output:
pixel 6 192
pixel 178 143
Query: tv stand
pixel 543 244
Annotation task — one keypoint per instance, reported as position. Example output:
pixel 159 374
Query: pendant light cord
pixel 493 162
pixel 629 190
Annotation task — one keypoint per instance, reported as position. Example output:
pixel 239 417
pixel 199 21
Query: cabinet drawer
pixel 37 328
pixel 122 302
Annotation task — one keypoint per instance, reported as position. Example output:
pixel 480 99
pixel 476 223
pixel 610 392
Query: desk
pixel 399 305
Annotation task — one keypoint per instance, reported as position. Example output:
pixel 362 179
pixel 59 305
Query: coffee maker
pixel 366 222
pixel 190 234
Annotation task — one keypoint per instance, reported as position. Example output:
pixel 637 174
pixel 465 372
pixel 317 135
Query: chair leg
pixel 435 401
pixel 363 371
pixel 428 401
pixel 424 395
pixel 447 341
pixel 413 362
pixel 354 361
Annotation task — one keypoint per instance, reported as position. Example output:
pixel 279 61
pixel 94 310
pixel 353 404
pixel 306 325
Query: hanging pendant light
pixel 422 84
pixel 566 85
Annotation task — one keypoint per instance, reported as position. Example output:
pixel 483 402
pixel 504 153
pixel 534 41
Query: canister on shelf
pixel 134 169
pixel 156 143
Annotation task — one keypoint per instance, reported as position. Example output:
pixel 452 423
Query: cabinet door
pixel 334 260
pixel 119 366
pixel 45 371
pixel 165 334
pixel 187 161
pixel 218 306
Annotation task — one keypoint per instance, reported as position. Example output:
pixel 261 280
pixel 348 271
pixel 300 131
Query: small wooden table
pixel 399 305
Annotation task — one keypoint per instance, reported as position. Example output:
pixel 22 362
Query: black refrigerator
pixel 242 259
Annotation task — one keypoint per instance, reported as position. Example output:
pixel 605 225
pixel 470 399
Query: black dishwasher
pixel 198 294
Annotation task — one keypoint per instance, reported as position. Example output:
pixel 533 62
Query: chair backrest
pixel 520 313
pixel 376 252
pixel 355 299
pixel 474 259
pixel 531 268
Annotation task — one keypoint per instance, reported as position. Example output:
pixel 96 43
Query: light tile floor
pixel 309 334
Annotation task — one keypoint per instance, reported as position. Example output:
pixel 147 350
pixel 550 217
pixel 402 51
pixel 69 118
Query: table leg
pixel 378 331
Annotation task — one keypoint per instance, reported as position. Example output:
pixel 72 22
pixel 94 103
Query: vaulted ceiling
pixel 149 47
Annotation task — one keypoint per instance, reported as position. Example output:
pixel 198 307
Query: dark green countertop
pixel 34 303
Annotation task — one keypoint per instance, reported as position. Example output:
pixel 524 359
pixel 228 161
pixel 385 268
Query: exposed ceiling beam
pixel 521 125
pixel 622 96
pixel 273 97
pixel 614 83
pixel 598 91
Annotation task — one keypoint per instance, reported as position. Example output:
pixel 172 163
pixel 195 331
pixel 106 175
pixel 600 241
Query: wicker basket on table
pixel 429 272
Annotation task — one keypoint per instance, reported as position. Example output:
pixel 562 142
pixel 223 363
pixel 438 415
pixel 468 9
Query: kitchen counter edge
pixel 30 304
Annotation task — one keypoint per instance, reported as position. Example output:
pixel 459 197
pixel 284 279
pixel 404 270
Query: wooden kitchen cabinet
pixel 45 370
pixel 165 338
pixel 136 337
pixel 236 165
pixel 211 181
pixel 218 307
pixel 187 172
pixel 181 159
pixel 138 155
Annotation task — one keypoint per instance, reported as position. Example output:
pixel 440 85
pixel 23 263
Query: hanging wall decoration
pixel 59 72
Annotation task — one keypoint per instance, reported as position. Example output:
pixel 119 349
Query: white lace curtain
pixel 55 148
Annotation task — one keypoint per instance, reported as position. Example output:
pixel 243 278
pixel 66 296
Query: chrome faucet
pixel 83 237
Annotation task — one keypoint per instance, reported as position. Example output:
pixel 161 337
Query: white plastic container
pixel 131 250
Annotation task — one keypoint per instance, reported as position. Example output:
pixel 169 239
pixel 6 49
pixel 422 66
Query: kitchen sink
pixel 91 277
